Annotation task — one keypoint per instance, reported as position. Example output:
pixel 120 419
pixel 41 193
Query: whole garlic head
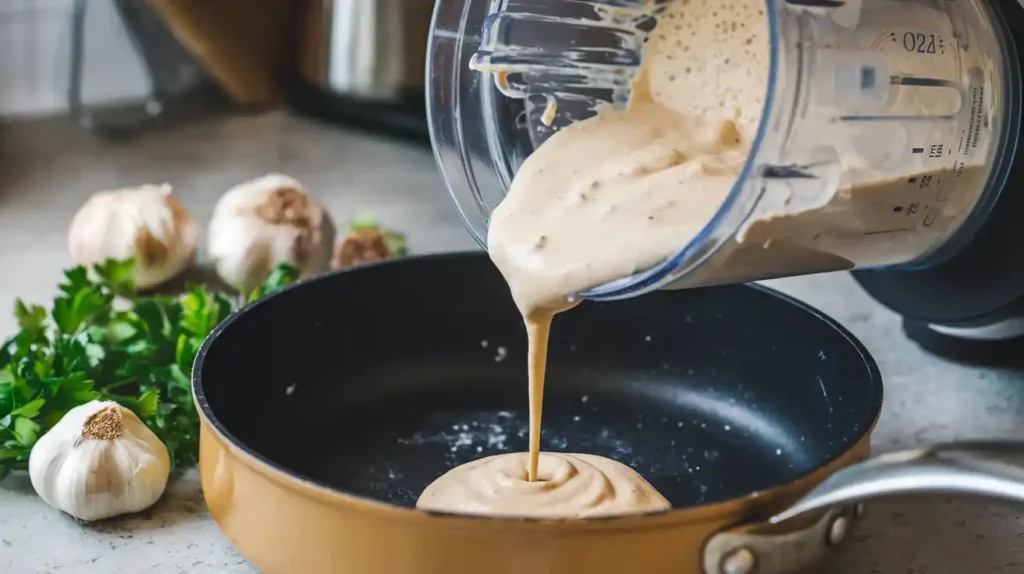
pixel 99 461
pixel 270 220
pixel 146 223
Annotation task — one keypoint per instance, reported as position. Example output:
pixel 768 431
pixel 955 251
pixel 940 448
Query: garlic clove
pixel 261 223
pixel 361 246
pixel 146 223
pixel 100 460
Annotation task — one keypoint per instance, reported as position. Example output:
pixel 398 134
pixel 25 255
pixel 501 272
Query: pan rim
pixel 310 487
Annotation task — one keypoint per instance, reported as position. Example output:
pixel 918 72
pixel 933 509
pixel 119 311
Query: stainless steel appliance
pixel 179 87
pixel 362 62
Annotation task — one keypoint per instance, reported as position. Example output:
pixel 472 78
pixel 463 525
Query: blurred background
pixel 207 94
pixel 203 95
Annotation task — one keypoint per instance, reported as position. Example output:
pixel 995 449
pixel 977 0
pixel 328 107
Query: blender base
pixel 968 345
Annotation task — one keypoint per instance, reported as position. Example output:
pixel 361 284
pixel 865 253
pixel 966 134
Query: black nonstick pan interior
pixel 378 380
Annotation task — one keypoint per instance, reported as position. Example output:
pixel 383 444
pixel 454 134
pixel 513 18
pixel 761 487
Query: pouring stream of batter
pixel 538 327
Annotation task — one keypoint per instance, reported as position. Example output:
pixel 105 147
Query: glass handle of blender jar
pixel 862 81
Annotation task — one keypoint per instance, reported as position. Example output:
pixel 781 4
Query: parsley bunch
pixel 101 341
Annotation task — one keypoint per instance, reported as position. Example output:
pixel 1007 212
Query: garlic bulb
pixel 146 223
pixel 270 220
pixel 99 461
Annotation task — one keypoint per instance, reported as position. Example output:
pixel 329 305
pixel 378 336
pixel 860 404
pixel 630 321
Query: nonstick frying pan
pixel 326 409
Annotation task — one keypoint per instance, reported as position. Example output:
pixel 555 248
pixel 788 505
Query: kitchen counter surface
pixel 47 169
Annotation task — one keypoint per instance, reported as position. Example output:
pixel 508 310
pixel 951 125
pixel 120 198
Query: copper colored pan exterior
pixel 283 525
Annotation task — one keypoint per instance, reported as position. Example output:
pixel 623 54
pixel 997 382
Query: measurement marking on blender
pixel 920 42
pixel 917 150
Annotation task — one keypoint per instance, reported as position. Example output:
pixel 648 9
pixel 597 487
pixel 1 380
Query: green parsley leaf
pixel 30 317
pixel 26 431
pixel 281 276
pixel 118 276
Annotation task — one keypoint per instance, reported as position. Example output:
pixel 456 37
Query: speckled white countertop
pixel 48 169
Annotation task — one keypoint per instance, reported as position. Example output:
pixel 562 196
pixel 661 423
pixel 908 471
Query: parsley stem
pixel 121 383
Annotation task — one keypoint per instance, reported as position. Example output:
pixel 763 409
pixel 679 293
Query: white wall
pixel 34 57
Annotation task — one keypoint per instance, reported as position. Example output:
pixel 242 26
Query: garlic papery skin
pixel 99 461
pixel 146 223
pixel 261 223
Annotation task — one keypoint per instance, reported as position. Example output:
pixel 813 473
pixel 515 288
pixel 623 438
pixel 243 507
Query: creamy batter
pixel 620 192
pixel 568 486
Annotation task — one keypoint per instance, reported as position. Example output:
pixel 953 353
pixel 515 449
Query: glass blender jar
pixel 885 141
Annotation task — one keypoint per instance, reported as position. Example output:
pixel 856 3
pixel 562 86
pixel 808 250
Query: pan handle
pixel 992 469
pixel 799 538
